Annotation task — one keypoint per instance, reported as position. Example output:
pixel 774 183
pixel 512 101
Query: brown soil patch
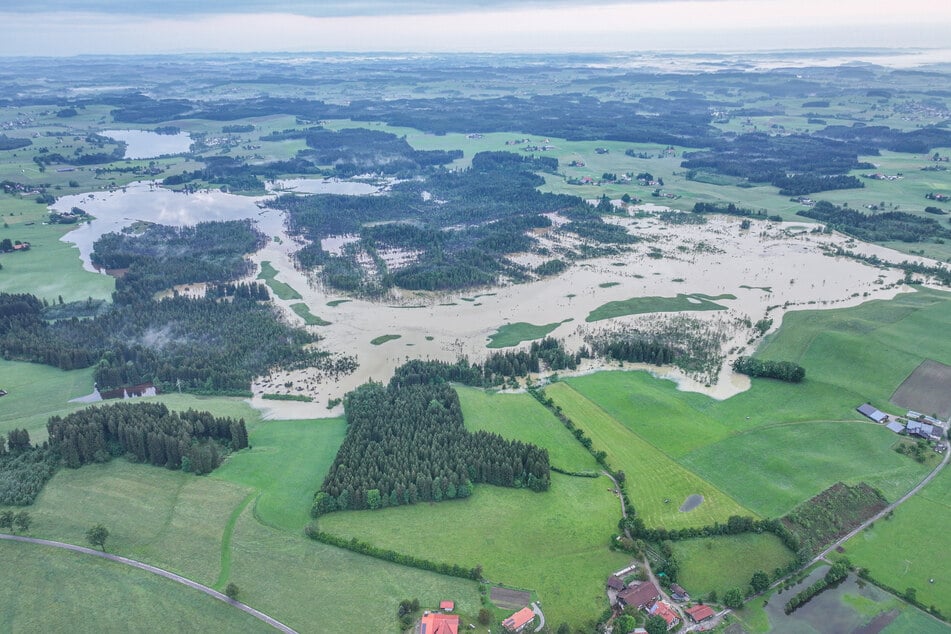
pixel 510 599
pixel 926 390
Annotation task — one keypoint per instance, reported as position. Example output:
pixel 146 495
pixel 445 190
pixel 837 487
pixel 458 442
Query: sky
pixel 77 27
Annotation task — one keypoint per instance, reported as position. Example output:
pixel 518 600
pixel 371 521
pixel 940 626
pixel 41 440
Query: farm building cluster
pixel 647 597
pixel 912 424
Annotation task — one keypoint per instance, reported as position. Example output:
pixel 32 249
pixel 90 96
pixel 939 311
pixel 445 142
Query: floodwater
pixel 142 144
pixel 829 611
pixel 324 186
pixel 147 202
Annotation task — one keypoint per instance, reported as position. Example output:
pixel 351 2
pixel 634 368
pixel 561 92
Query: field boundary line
pixel 224 570
pixel 662 452
pixel 261 616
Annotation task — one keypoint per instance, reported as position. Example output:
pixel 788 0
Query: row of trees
pixel 833 577
pixel 781 370
pixel 407 443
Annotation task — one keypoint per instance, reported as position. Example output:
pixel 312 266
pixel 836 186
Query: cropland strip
pixel 158 571
pixel 641 305
pixel 926 390
pixel 656 484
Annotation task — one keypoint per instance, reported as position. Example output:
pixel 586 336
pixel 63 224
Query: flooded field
pixel 142 144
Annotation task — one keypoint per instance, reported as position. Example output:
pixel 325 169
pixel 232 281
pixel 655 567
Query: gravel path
pixel 158 571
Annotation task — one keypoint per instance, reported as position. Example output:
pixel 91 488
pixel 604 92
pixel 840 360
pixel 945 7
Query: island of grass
pixel 379 341
pixel 513 334
pixel 309 318
pixel 284 291
pixel 336 302
pixel 639 305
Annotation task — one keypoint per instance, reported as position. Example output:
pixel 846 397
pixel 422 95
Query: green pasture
pixel 652 476
pixel 555 542
pixel 51 268
pixel 36 392
pixel 641 305
pixel 53 590
pixel 521 417
pixel 513 334
pixel 907 551
pixel 309 318
pixel 729 561
pixel 286 464
pixel 282 290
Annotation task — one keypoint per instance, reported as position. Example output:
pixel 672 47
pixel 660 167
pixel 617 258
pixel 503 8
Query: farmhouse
pixel 700 613
pixel 922 430
pixel 615 583
pixel 665 612
pixel 437 623
pixel 870 412
pixel 640 596
pixel 677 593
pixel 519 621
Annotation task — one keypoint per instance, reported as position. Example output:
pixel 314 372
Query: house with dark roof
pixel 895 426
pixel 677 593
pixel 641 596
pixel 519 621
pixel 922 430
pixel 870 412
pixel 615 583
pixel 700 613
pixel 666 612
pixel 438 623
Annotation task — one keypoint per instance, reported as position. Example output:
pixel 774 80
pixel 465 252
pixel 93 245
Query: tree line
pixel 407 444
pixel 780 370
pixel 883 227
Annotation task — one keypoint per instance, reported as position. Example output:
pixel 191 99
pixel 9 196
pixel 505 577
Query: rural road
pixel 541 617
pixel 158 571
pixel 888 509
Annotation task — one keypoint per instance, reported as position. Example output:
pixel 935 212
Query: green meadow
pixel 640 305
pixel 309 318
pixel 513 334
pixel 281 289
pixel 521 417
pixel 35 392
pixel 555 543
pixel 656 484
pixel 716 564
pixel 60 591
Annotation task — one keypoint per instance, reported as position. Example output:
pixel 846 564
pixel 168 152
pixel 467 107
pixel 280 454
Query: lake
pixel 142 144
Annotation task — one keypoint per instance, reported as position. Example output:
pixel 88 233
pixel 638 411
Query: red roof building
pixel 438 623
pixel 700 613
pixel 665 612
pixel 518 621
pixel 447 606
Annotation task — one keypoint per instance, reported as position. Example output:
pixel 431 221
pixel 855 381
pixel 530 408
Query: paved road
pixel 541 617
pixel 158 571
pixel 888 509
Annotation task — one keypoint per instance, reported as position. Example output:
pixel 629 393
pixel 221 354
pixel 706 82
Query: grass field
pixel 720 563
pixel 282 290
pixel 555 543
pixel 640 305
pixel 309 318
pixel 652 476
pixel 379 341
pixel 514 334
pixel 772 469
pixel 60 591
pixel 36 392
pixel 51 268
pixel 521 417
pixel 909 550
pixel 286 465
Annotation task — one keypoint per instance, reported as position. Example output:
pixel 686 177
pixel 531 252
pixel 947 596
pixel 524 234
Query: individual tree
pixel 656 625
pixel 759 581
pixel 733 598
pixel 231 590
pixel 23 521
pixel 6 520
pixel 97 536
pixel 485 617
pixel 625 623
